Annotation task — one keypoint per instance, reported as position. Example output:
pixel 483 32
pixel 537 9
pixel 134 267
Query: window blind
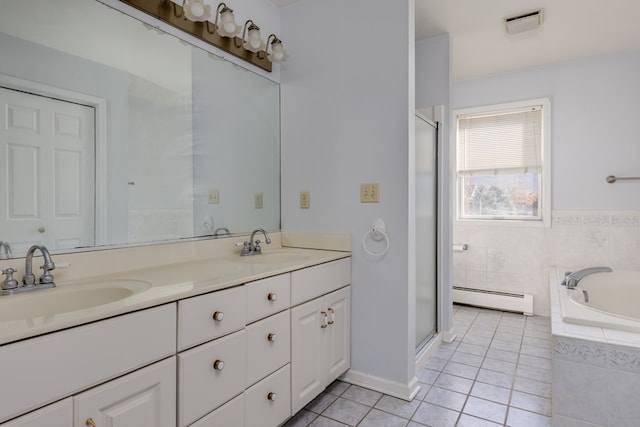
pixel 501 142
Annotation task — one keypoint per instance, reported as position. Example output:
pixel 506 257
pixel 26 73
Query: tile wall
pixel 518 258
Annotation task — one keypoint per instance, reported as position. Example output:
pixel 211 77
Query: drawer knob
pixel 218 315
pixel 272 396
pixel 271 337
pixel 272 296
pixel 218 365
pixel 90 422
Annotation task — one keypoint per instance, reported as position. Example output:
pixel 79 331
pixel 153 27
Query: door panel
pixel 47 146
pixel 426 230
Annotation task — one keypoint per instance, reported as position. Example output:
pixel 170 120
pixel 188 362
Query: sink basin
pixel 67 298
pixel 273 258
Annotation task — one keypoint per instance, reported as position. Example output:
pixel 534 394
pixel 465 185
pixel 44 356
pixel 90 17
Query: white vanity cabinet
pixel 145 397
pixel 250 355
pixel 320 330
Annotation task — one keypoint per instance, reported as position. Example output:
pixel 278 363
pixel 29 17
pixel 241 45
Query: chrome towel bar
pixel 611 179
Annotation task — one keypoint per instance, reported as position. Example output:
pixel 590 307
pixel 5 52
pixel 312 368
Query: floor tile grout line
pixel 494 322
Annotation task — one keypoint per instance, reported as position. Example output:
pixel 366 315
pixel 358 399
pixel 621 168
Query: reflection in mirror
pixel 114 133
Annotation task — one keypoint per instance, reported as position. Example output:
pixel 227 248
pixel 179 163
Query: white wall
pixel 346 119
pixel 594 128
pixel 594 124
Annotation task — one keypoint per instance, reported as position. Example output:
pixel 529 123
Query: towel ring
pixel 377 233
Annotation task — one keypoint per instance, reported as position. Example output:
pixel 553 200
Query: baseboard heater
pixel 507 301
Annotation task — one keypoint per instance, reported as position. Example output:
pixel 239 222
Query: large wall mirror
pixel 113 132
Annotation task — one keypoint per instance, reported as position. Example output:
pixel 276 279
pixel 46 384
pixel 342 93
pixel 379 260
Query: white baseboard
pixel 392 388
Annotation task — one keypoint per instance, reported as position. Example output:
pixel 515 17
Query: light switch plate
pixel 258 200
pixel 370 192
pixel 305 200
pixel 214 196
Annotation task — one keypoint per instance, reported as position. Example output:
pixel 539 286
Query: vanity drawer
pixel 268 296
pixel 268 346
pixel 43 369
pixel 204 384
pixel 268 403
pixel 210 316
pixel 58 414
pixel 229 414
pixel 309 283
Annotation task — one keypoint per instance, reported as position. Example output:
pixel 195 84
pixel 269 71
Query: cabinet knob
pixel 218 315
pixel 271 337
pixel 218 365
pixel 90 422
pixel 331 316
pixel 272 396
pixel 324 320
pixel 272 296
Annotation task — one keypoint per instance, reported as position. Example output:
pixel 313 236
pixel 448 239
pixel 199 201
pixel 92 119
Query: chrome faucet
pixel 253 247
pixel 7 250
pixel 11 285
pixel 571 280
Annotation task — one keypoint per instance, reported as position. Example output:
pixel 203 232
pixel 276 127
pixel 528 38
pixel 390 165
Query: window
pixel 503 162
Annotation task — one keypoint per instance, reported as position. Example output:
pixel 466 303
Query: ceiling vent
pixel 522 23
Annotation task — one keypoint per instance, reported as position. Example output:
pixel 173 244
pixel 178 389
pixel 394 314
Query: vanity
pixel 222 340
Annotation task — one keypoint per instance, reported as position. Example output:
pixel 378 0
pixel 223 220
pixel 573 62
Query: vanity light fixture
pixel 254 42
pixel 194 18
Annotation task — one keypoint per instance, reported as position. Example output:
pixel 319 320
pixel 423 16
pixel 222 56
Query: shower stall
pixel 426 198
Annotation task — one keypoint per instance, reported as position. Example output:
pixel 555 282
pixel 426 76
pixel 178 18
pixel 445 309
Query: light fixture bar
pixel 164 11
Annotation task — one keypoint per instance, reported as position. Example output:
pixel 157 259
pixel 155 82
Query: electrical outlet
pixel 370 192
pixel 214 196
pixel 305 200
pixel 258 200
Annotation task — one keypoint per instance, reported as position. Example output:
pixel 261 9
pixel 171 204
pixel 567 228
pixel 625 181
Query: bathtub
pixel 606 300
pixel 596 350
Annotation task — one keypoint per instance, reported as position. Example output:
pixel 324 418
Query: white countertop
pixel 152 287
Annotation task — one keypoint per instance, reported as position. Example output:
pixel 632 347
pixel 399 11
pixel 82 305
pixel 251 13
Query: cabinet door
pixel 58 414
pixel 307 353
pixel 338 346
pixel 146 397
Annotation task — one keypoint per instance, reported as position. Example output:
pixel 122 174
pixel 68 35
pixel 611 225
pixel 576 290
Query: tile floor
pixel 496 373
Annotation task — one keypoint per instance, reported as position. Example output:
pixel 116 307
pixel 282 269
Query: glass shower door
pixel 426 229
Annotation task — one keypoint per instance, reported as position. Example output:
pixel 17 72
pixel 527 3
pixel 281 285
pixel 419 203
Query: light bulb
pixel 254 39
pixel 277 51
pixel 197 9
pixel 228 21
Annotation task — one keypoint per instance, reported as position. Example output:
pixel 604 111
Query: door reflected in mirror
pixel 115 133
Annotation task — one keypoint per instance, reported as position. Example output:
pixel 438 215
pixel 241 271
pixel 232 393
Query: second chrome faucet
pixel 252 247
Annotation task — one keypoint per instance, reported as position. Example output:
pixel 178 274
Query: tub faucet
pixel 46 278
pixel 571 280
pixel 252 247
